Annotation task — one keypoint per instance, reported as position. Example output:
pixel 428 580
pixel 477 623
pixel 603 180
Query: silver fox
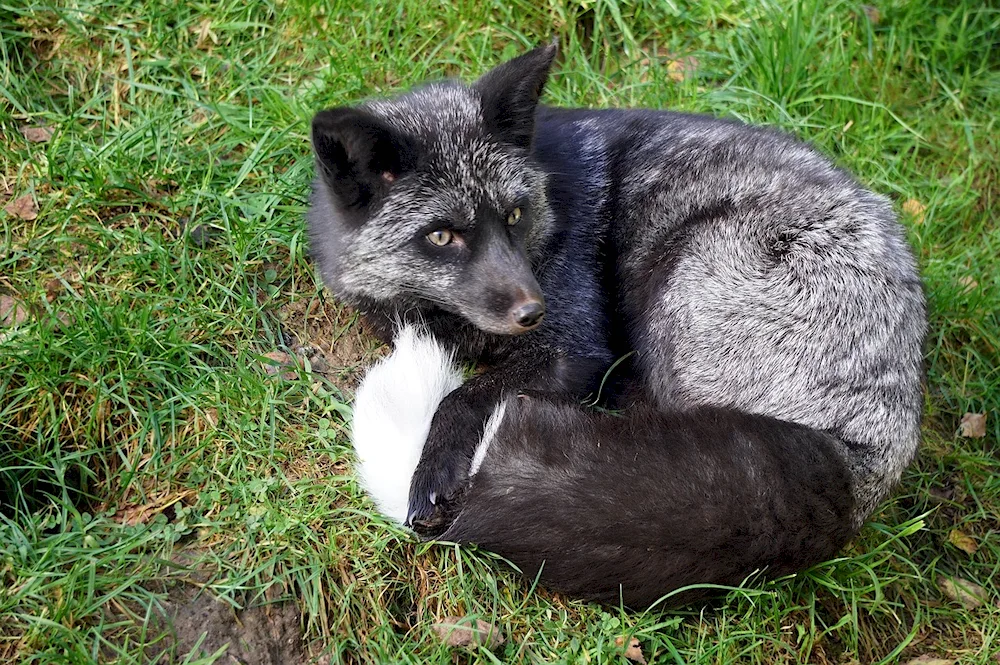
pixel 767 309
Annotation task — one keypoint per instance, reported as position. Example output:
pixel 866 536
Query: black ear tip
pixel 322 123
pixel 328 118
pixel 322 117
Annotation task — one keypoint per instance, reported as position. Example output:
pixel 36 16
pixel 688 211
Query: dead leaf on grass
pixel 962 541
pixel 633 651
pixel 973 426
pixel 968 595
pixel 38 134
pixel 873 13
pixel 465 632
pixel 280 358
pixel 929 659
pixel 969 284
pixel 142 514
pixel 942 494
pixel 915 209
pixel 53 288
pixel 12 312
pixel 682 68
pixel 23 208
pixel 205 34
pixel 280 362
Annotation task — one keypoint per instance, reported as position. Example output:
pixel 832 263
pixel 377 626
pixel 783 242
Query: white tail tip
pixel 393 408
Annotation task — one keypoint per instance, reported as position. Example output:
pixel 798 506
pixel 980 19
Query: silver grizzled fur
pixel 800 300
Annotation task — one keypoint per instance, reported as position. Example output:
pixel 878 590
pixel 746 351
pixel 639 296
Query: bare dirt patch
pixel 332 338
pixel 201 625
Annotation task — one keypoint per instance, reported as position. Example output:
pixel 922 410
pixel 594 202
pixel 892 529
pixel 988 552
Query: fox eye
pixel 514 217
pixel 441 237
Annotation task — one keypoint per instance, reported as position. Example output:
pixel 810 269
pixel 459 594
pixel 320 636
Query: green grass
pixel 136 417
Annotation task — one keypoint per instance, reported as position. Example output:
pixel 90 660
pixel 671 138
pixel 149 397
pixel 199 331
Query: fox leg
pixel 459 422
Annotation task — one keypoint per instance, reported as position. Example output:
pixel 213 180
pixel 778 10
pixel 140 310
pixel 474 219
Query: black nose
pixel 529 314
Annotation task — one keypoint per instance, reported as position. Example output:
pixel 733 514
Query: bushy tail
pixel 615 508
pixel 393 409
pixel 632 507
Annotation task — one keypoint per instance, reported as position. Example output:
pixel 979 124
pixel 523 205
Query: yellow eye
pixel 514 217
pixel 441 237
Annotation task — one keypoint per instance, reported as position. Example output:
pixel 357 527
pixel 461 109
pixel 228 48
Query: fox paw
pixel 435 492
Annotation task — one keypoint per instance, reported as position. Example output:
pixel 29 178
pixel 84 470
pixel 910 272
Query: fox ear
pixel 358 155
pixel 510 94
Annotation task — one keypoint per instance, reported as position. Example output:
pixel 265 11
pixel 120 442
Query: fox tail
pixel 625 508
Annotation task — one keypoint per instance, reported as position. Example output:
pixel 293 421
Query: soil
pixel 329 335
pixel 200 625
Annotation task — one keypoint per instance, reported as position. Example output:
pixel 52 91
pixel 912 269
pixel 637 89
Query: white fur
pixel 490 431
pixel 393 409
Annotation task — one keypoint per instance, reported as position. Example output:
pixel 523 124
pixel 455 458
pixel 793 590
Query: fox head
pixel 433 198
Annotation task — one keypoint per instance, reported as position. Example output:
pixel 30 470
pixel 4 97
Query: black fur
pixel 510 95
pixel 357 154
pixel 646 503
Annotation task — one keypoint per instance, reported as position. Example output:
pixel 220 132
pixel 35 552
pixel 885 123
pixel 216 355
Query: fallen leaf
pixel 464 632
pixel 39 134
pixel 873 13
pixel 929 659
pixel 915 209
pixel 969 284
pixel 942 494
pixel 12 312
pixel 279 357
pixel 23 208
pixel 962 541
pixel 280 362
pixel 633 651
pixel 142 514
pixel 968 595
pixel 205 34
pixel 973 426
pixel 53 288
pixel 682 68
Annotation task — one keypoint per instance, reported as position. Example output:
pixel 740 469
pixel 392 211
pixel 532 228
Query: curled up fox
pixel 701 340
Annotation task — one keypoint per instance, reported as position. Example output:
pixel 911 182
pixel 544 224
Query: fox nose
pixel 528 314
